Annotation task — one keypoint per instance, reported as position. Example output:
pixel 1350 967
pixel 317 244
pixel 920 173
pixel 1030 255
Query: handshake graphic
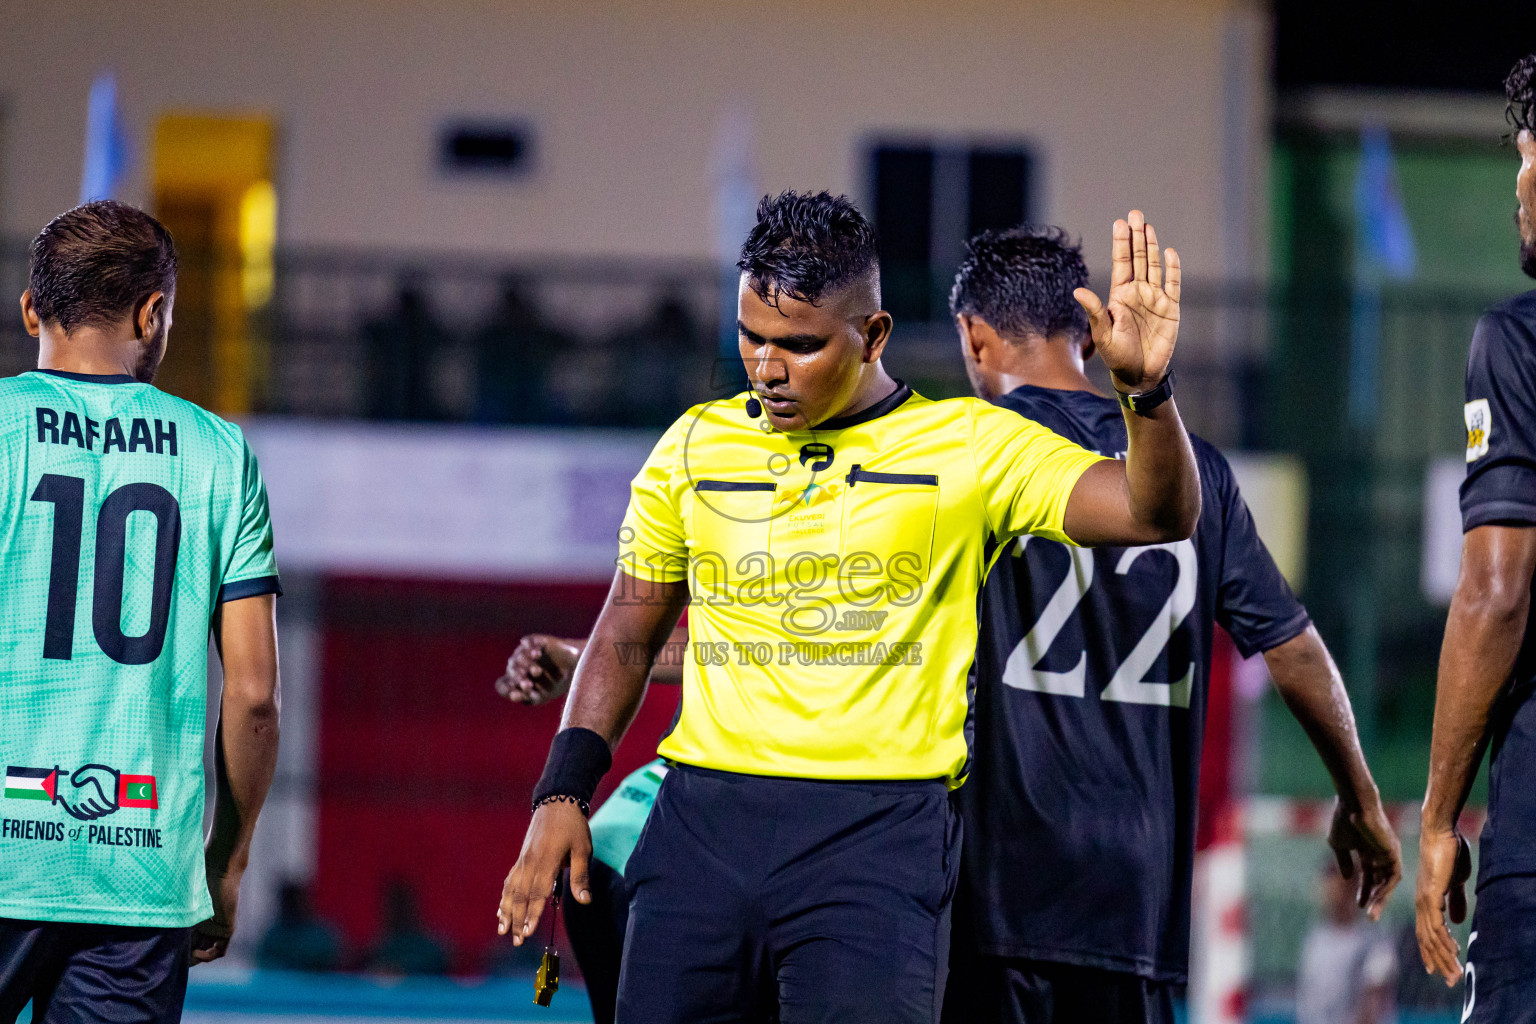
pixel 92 791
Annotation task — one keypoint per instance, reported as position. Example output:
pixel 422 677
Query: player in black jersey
pixel 1488 662
pixel 1090 674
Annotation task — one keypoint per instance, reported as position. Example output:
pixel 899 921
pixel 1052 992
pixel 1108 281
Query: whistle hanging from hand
pixel 547 981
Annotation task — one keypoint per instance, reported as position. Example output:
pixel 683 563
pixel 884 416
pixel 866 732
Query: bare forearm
pixel 1152 497
pixel 606 693
pixel 1309 683
pixel 1160 473
pixel 1481 643
pixel 610 678
pixel 667 669
pixel 1483 633
pixel 245 749
pixel 244 762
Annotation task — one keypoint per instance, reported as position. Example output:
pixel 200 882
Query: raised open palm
pixel 1136 331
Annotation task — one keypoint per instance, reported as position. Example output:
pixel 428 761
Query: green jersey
pixel 616 826
pixel 126 515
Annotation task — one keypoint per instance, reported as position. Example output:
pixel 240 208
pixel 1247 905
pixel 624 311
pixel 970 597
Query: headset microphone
pixel 754 408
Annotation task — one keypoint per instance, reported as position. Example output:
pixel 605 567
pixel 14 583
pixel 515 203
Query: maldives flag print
pixel 137 791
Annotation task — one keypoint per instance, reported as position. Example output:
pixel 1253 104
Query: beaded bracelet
pixel 581 805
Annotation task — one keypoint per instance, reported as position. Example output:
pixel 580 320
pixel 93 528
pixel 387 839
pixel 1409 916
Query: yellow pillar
pixel 212 187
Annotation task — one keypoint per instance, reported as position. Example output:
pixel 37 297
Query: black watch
pixel 1144 402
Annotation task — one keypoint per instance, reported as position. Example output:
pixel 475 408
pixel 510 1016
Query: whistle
pixel 547 981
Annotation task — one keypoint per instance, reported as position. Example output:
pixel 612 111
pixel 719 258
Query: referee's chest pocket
pixel 888 524
pixel 730 518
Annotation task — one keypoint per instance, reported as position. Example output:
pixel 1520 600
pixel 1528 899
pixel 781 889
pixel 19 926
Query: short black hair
pixel 806 245
pixel 92 265
pixel 1520 91
pixel 1020 281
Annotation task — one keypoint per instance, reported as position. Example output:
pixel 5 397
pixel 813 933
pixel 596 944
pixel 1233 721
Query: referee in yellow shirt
pixel 832 529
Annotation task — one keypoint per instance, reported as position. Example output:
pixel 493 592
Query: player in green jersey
pixel 130 522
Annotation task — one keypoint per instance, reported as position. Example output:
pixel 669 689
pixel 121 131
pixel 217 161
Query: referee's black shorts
pixel 790 900
pixel 596 931
pixel 93 973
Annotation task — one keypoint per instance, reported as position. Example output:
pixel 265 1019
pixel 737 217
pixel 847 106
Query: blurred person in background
pixel 802 850
pixel 298 939
pixel 402 347
pixel 1483 699
pixel 1420 993
pixel 1348 963
pixel 108 890
pixel 513 351
pixel 406 947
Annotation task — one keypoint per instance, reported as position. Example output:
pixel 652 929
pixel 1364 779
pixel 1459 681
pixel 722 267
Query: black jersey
pixel 1091 675
pixel 1501 489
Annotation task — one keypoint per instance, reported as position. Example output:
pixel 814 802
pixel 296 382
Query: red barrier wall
pixel 1218 774
pixel 425 772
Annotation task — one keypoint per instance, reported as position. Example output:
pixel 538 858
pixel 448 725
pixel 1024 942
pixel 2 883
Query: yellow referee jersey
pixel 834 575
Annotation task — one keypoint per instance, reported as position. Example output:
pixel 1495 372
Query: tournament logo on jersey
pixel 1479 428
pixel 92 791
pixel 796 485
pixel 818 454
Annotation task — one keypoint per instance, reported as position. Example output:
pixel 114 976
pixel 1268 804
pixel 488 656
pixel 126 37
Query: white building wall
pixel 1126 103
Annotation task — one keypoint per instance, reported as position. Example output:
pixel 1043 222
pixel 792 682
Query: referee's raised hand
pixel 1152 496
pixel 1135 333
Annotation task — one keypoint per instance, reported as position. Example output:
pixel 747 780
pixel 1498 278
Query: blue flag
pixel 1383 237
pixel 106 146
pixel 1383 251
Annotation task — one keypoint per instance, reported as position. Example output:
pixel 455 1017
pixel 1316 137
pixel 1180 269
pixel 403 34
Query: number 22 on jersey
pixel 1128 684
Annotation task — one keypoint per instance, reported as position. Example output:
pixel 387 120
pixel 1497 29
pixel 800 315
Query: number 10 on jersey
pixel 67 495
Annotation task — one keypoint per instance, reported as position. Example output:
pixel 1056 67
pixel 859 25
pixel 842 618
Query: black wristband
pixel 578 759
pixel 1142 404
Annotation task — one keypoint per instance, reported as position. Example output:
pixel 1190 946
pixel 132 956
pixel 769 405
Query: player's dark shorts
pixel 1008 990
pixel 1501 958
pixel 790 900
pixel 93 973
pixel 596 931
